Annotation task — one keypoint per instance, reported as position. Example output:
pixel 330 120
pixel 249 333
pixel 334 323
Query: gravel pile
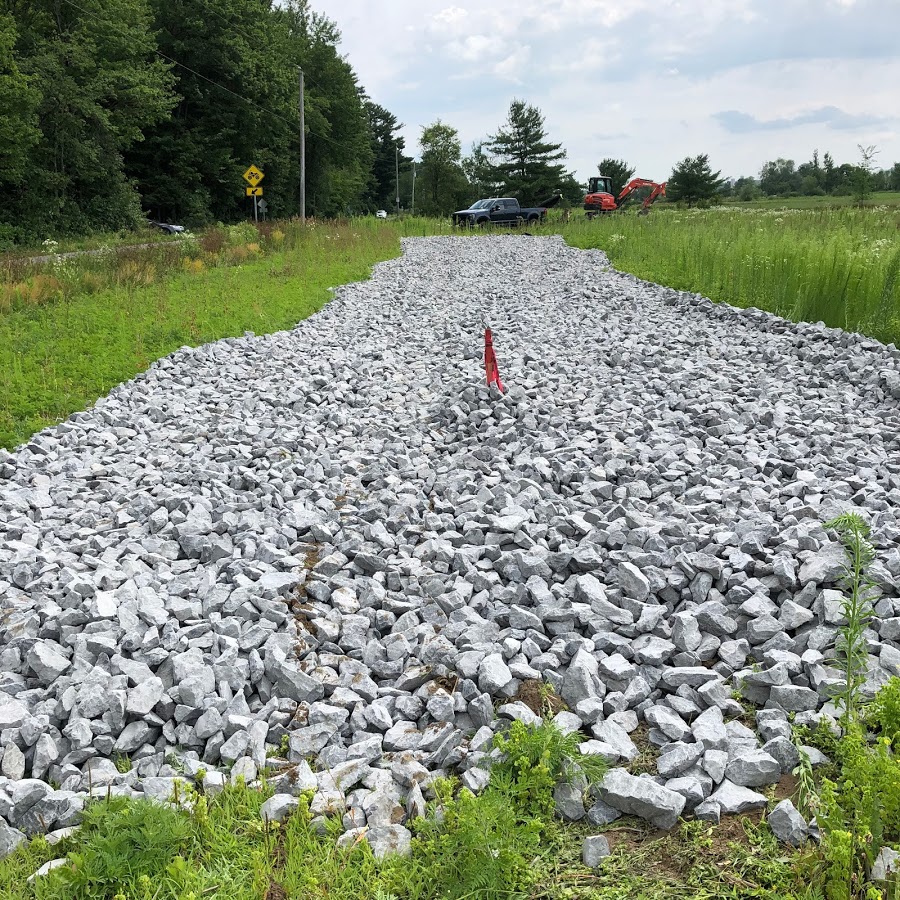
pixel 334 552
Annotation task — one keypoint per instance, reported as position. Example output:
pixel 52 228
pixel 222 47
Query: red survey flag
pixel 490 361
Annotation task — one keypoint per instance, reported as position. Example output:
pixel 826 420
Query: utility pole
pixel 302 148
pixel 397 155
pixel 414 189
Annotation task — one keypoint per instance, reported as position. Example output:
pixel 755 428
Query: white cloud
pixel 649 80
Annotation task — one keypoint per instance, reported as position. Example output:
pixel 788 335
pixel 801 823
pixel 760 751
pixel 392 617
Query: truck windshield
pixel 481 204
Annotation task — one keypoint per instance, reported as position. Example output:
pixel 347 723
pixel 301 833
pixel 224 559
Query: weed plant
pixel 857 804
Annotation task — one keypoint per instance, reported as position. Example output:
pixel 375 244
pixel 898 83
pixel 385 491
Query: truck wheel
pixel 534 220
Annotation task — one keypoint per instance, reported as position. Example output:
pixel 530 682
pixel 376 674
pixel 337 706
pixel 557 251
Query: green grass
pixel 60 354
pixel 146 234
pixel 879 198
pixel 504 843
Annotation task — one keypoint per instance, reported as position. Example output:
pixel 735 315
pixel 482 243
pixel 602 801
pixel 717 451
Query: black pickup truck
pixel 499 211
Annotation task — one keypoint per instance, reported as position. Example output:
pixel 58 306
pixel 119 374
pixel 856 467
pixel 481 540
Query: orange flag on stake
pixel 490 361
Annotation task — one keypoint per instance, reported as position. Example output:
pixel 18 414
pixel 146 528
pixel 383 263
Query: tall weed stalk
pixel 851 647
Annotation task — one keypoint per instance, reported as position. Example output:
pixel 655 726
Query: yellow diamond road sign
pixel 254 192
pixel 253 176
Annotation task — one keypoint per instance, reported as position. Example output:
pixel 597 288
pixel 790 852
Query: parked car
pixel 499 211
pixel 168 227
pixel 381 214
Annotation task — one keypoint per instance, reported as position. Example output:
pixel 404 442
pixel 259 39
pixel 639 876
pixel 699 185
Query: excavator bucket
pixel 550 202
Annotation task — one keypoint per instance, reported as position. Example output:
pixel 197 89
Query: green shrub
pixel 121 843
pixel 883 713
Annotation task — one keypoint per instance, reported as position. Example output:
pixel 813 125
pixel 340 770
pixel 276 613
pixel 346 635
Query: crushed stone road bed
pixel 340 536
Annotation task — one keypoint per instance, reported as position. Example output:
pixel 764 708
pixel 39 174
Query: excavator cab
pixel 598 184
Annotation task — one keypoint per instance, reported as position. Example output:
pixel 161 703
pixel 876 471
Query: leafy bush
pixel 475 847
pixel 858 809
pixel 120 841
pixel 883 712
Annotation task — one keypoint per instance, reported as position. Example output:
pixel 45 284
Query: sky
pixel 648 81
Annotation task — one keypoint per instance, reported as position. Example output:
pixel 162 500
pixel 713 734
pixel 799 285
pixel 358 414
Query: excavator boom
pixel 659 190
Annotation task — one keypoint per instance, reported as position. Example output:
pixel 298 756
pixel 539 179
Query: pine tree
pixel 386 144
pixel 618 170
pixel 527 165
pixel 694 181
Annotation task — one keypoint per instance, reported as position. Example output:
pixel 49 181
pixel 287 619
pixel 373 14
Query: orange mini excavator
pixel 600 198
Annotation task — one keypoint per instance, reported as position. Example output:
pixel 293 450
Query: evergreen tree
pixel 527 165
pixel 96 86
pixel 386 143
pixel 338 142
pixel 617 169
pixel 829 178
pixel 693 181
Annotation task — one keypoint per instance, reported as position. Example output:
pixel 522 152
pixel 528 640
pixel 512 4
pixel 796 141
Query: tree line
pixel 111 110
pixel 114 110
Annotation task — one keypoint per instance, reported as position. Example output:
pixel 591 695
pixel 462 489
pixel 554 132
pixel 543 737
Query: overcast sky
pixel 650 81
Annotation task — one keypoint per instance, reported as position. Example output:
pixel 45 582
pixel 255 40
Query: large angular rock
pixel 594 850
pixel 494 675
pixel 278 807
pixel 581 680
pixel 641 797
pixel 48 661
pixel 10 839
pixel 788 825
pixel 825 566
pixel 633 582
pixel 12 713
pixel 389 840
pixel 753 768
pixel 734 798
pixel 569 802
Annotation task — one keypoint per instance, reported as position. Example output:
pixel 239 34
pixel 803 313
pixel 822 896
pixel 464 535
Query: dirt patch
pixel 448 682
pixel 651 849
pixel 276 892
pixel 540 698
pixel 786 788
pixel 645 762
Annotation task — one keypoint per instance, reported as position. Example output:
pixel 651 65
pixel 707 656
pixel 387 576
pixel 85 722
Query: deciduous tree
pixel 99 89
pixel 19 101
pixel 442 182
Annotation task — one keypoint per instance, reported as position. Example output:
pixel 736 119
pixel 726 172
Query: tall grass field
pixel 838 266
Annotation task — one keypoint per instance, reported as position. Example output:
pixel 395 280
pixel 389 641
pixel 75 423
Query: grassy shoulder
pixel 71 332
pixel 503 843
